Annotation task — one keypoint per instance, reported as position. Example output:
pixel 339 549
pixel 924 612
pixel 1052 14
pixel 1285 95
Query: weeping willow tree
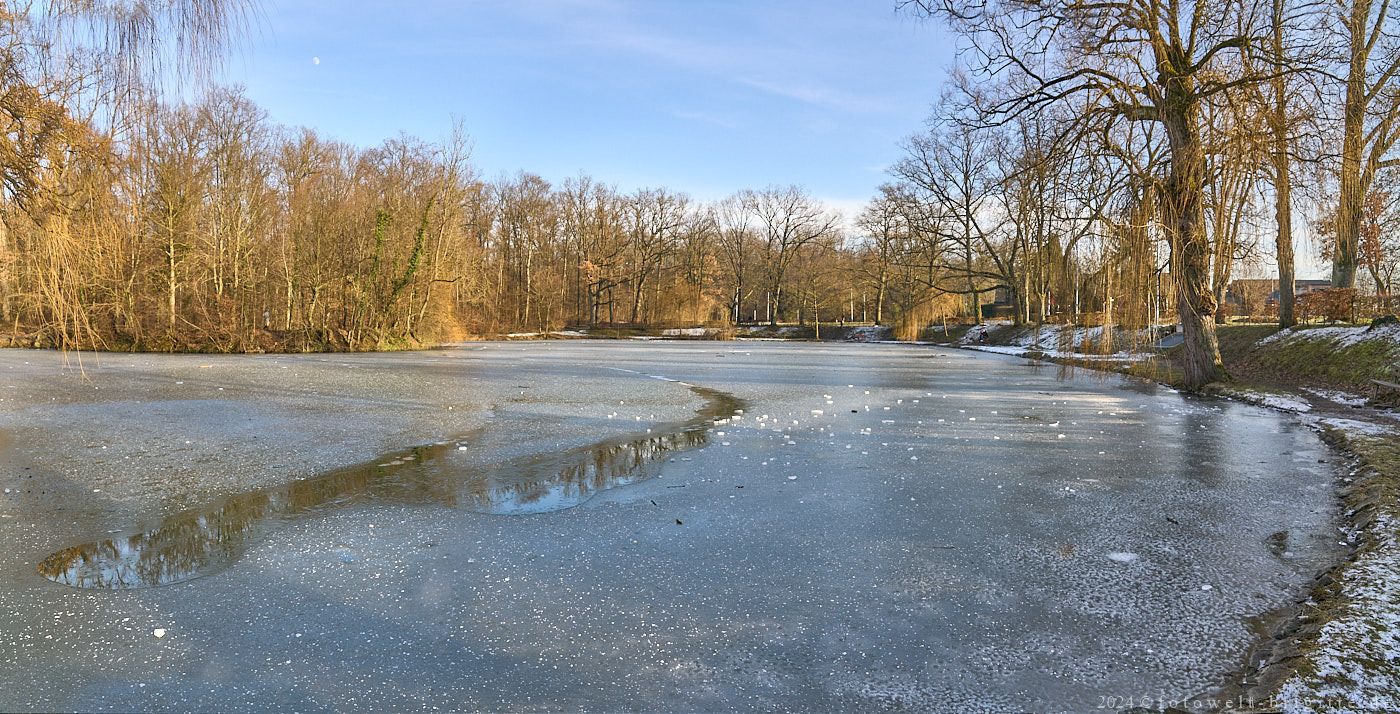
pixel 72 73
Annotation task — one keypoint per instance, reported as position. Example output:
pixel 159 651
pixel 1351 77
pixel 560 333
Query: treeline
pixel 208 227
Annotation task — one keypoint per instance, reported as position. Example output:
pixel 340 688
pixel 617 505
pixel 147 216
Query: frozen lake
pixel 586 525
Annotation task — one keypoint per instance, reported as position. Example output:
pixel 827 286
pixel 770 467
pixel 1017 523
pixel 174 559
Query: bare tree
pixel 788 220
pixel 884 230
pixel 953 167
pixel 655 219
pixel 1278 100
pixel 1125 60
pixel 1370 119
pixel 733 218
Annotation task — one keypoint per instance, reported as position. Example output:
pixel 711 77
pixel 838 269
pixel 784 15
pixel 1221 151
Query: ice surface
pixel 972 579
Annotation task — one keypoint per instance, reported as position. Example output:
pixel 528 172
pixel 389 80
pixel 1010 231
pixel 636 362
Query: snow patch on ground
pixel 538 335
pixel 1057 354
pixel 872 333
pixel 1063 342
pixel 1282 402
pixel 1339 336
pixel 783 332
pixel 1352 427
pixel 1356 666
pixel 1340 397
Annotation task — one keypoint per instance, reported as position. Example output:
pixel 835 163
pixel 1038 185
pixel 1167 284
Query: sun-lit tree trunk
pixel 1185 220
pixel 1370 123
pixel 1276 113
pixel 1352 185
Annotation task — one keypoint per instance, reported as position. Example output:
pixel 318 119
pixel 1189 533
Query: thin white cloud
pixel 817 96
pixel 723 121
pixel 612 26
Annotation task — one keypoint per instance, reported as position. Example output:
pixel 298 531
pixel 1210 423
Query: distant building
pixel 1259 295
pixel 1001 304
pixel 1303 287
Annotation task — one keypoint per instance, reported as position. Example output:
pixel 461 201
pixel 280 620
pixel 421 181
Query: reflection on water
pixel 195 543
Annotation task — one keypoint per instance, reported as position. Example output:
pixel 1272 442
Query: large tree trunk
pixel 1353 188
pixel 738 296
pixel 170 276
pixel 637 298
pixel 972 294
pixel 1283 239
pixel 777 293
pixel 1349 207
pixel 880 298
pixel 1184 217
pixel 1283 181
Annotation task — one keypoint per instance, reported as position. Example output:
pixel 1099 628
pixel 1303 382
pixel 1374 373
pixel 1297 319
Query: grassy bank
pixel 1340 358
pixel 1344 358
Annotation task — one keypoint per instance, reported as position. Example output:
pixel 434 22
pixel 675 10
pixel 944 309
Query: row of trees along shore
pixel 1126 159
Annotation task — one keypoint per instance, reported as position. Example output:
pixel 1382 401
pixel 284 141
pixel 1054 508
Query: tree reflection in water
pixel 198 542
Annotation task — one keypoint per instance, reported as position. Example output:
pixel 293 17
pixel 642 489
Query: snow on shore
pixel 1344 398
pixel 1339 336
pixel 1062 342
pixel 1356 666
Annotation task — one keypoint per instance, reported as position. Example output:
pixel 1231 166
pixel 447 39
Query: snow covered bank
pixel 1340 397
pixel 551 335
pixel 1339 336
pixel 1334 363
pixel 828 332
pixel 688 332
pixel 1273 400
pixel 1088 344
pixel 1354 665
pixel 636 333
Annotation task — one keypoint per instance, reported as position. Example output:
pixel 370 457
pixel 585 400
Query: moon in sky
pixel 315 60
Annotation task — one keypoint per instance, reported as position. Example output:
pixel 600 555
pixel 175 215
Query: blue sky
pixel 702 96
